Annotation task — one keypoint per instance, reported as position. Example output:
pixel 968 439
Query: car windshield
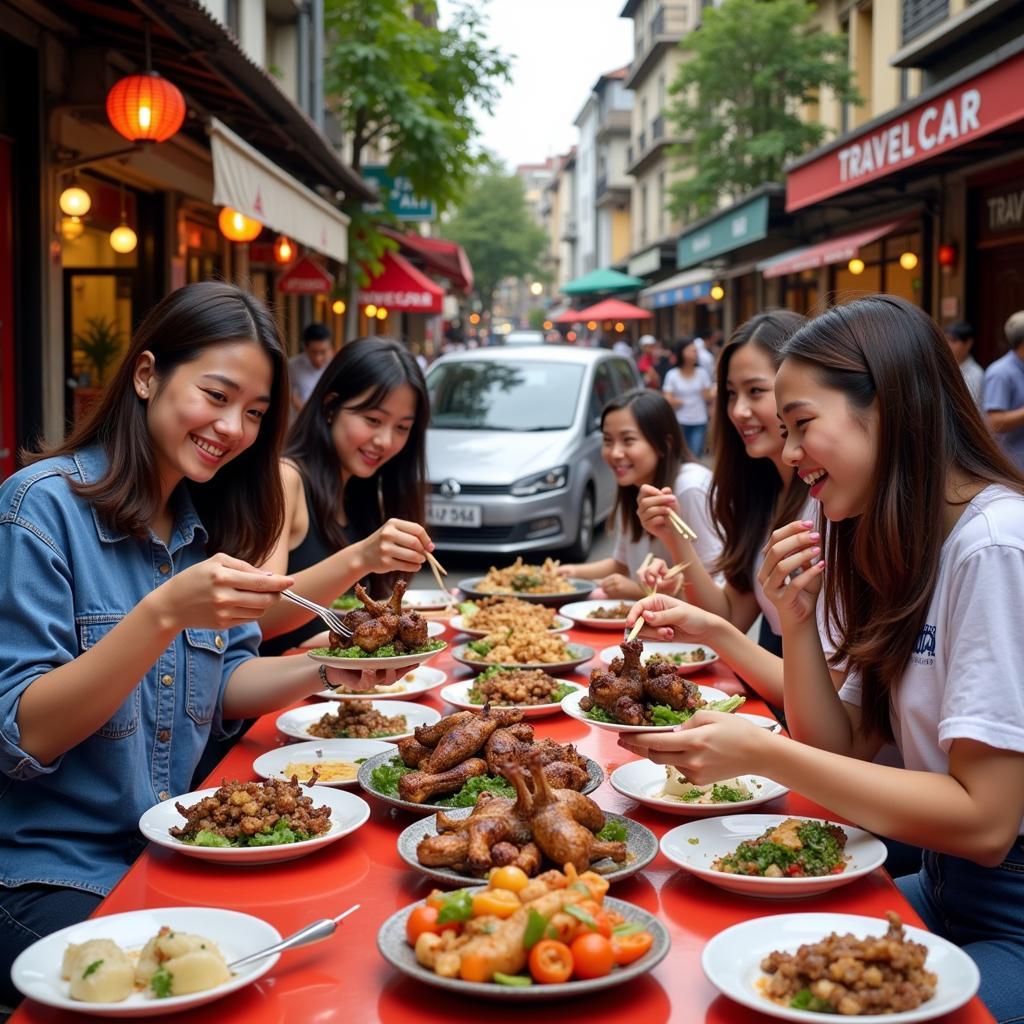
pixel 492 395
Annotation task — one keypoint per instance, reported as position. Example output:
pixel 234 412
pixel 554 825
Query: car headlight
pixel 549 480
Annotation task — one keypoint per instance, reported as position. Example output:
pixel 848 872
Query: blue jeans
pixel 694 434
pixel 29 912
pixel 982 911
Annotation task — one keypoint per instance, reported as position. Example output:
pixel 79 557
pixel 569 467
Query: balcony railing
pixel 658 23
pixel 658 128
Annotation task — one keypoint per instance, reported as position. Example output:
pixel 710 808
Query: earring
pixel 143 392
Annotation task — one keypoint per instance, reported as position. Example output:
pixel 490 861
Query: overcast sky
pixel 560 48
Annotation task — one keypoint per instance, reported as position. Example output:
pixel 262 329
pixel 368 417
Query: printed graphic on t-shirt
pixel 924 649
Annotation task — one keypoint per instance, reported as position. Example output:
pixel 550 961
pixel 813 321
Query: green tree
pixel 495 227
pixel 413 90
pixel 754 64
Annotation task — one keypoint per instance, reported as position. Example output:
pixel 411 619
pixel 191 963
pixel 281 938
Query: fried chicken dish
pixel 626 690
pixel 461 746
pixel 382 623
pixel 543 821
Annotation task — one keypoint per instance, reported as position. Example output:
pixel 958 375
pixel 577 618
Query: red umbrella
pixel 569 316
pixel 613 309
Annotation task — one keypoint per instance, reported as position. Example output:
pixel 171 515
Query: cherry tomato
pixel 601 917
pixel 592 954
pixel 474 967
pixel 509 877
pixel 499 902
pixel 627 948
pixel 424 919
pixel 550 962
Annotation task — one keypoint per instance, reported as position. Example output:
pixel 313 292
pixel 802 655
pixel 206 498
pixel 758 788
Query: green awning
pixel 603 280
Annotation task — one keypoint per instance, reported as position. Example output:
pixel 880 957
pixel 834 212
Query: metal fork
pixel 332 621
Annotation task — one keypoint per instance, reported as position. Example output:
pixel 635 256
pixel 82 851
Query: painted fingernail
pixel 815 551
pixel 814 536
pixel 807 522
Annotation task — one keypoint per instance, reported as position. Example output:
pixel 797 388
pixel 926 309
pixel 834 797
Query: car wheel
pixel 580 549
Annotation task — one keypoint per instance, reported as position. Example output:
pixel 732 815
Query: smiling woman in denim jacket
pixel 128 632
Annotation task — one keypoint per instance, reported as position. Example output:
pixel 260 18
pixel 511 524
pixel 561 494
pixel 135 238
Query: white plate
pixel 732 962
pixel 457 694
pixel 458 622
pixel 372 664
pixel 761 721
pixel 434 629
pixel 579 611
pixel 666 649
pixel 579 654
pixel 296 722
pixel 348 812
pixel 571 706
pixel 716 837
pixel 644 780
pixel 272 764
pixel 413 684
pixel 36 972
pixel 426 600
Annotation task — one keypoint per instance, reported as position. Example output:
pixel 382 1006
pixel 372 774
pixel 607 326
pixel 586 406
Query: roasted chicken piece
pixel 563 765
pixel 669 687
pixel 379 623
pixel 465 737
pixel 418 787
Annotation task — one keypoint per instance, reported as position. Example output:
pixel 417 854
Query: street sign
pixel 401 200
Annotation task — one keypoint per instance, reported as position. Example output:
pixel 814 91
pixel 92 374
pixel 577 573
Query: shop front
pixel 400 301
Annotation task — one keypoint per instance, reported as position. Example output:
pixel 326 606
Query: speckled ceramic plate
pixel 457 694
pixel 594 773
pixel 571 706
pixel 641 849
pixel 458 623
pixel 396 950
pixel 580 588
pixel 578 654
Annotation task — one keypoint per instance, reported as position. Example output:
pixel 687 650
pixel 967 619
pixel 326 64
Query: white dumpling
pixel 197 971
pixel 93 949
pixel 101 975
pixel 165 946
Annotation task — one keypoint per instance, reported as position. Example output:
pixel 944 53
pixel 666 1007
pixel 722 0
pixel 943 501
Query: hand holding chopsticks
pixel 439 570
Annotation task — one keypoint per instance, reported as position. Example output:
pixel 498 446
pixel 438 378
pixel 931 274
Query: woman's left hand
pixel 792 570
pixel 617 585
pixel 710 747
pixel 364 681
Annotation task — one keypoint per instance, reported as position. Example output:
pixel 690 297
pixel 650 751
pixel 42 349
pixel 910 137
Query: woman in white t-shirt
pixel 752 492
pixel 642 444
pixel 688 389
pixel 924 543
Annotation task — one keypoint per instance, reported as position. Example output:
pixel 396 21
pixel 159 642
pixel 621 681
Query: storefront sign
pixel 745 223
pixel 983 104
pixel 644 263
pixel 307 277
pixel 1001 211
pixel 402 202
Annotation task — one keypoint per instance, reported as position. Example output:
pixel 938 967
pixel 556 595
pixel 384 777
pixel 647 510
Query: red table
pixel 345 979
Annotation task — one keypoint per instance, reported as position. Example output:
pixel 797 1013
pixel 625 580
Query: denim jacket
pixel 66 579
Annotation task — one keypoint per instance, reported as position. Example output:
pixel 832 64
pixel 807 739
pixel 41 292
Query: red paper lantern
pixel 947 255
pixel 145 108
pixel 236 226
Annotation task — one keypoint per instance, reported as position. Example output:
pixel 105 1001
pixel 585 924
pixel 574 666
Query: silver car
pixel 514 448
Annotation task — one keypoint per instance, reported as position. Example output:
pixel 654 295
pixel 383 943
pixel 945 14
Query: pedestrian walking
pixel 1003 399
pixel 304 369
pixel 689 390
pixel 960 336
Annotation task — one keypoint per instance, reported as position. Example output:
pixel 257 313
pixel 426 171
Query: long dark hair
pixel 242 506
pixel 657 422
pixel 883 564
pixel 374 366
pixel 745 492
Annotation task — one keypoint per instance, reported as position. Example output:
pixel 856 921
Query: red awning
pixel 439 256
pixel 401 288
pixel 614 309
pixel 835 250
pixel 306 277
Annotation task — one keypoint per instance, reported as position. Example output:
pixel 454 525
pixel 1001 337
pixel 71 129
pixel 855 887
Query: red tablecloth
pixel 345 979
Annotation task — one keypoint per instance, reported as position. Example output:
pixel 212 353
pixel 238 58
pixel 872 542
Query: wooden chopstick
pixel 637 626
pixel 680 526
pixel 435 564
pixel 676 570
pixel 648 558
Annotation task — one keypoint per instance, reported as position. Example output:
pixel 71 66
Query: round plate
pixel 579 652
pixel 668 650
pixel 761 721
pixel 36 972
pixel 595 776
pixel 643 780
pixel 457 694
pixel 732 962
pixel 457 622
pixel 697 844
pixel 426 600
pixel 580 588
pixel 296 722
pixel 434 629
pixel 579 611
pixel 393 947
pixel 641 847
pixel 412 684
pixel 272 764
pixel 374 664
pixel 571 706
pixel 348 812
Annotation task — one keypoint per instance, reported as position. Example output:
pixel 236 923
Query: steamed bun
pixel 99 972
pixel 192 962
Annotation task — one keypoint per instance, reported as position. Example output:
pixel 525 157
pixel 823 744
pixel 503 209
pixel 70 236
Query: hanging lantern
pixel 122 238
pixel 717 292
pixel 371 311
pixel 855 266
pixel 908 260
pixel 284 251
pixel 382 313
pixel 75 201
pixel 338 307
pixel 947 255
pixel 237 227
pixel 145 108
pixel 591 325
pixel 71 228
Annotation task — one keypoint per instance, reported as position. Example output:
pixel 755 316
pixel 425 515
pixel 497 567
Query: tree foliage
pixel 494 225
pixel 738 99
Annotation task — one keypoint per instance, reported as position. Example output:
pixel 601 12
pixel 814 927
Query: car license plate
pixel 450 513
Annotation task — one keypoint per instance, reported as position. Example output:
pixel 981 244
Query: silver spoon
pixel 303 937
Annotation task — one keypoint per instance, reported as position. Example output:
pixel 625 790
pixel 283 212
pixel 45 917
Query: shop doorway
pixel 999 291
pixel 8 446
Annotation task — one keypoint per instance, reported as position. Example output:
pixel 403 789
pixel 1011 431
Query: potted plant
pixel 101 343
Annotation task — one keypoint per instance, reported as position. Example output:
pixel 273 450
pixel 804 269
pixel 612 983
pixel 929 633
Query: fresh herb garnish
pixel 581 915
pixel 385 778
pixel 92 968
pixel 385 651
pixel 161 983
pixel 803 1000
pixel 613 832
pixel 456 906
pixel 513 980
pixel 536 923
pixel 598 714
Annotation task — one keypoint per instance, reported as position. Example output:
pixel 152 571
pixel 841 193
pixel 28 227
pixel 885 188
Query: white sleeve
pixel 983 697
pixel 620 552
pixel 694 509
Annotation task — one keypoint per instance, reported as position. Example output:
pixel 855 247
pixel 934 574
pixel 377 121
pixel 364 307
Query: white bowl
pixel 732 962
pixel 427 600
pixel 579 612
pixel 296 722
pixel 376 664
pixel 412 684
pixel 434 629
pixel 457 694
pixel 696 845
pixel 273 763
pixel 644 780
pixel 458 623
pixel 609 653
pixel 571 706
pixel 348 812
pixel 36 972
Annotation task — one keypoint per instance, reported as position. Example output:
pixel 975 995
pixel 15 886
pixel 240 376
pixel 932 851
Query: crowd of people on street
pixel 857 501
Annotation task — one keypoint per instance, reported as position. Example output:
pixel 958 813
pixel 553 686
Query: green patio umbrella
pixel 603 280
